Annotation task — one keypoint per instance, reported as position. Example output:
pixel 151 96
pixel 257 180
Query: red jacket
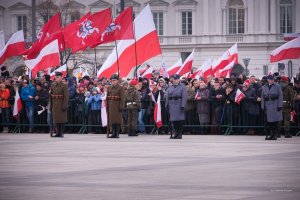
pixel 4 95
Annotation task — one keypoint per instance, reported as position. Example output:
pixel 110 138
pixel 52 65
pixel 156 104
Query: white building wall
pixel 210 28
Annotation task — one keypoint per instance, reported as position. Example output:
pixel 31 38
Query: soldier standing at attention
pixel 176 98
pixel 59 97
pixel 115 99
pixel 288 104
pixel 271 103
pixel 133 106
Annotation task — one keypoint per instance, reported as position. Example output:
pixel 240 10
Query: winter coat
pixel 132 99
pixel 145 101
pixel 43 97
pixel 217 102
pixel 272 99
pixel 176 98
pixel 94 102
pixel 71 87
pixel 203 104
pixel 59 97
pixel 249 103
pixel 191 104
pixel 4 95
pixel 26 92
pixel 288 96
pixel 115 104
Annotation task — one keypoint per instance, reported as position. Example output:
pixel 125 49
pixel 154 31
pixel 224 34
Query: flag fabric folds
pixel 15 46
pixel 230 55
pixel 239 96
pixel 187 65
pixel 131 53
pixel 157 112
pixel 290 50
pixel 62 69
pixel 52 26
pixel 120 29
pixel 48 57
pixel 17 105
pixel 175 67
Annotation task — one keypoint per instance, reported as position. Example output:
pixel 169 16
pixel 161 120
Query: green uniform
pixel 288 103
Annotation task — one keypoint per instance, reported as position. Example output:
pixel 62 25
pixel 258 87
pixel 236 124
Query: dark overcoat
pixel 176 98
pixel 272 99
pixel 115 104
pixel 59 104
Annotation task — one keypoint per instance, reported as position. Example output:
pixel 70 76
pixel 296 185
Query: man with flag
pixel 176 98
pixel 59 97
pixel 271 103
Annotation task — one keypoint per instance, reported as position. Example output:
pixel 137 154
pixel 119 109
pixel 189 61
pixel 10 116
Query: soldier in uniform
pixel 271 103
pixel 133 106
pixel 59 97
pixel 288 104
pixel 176 98
pixel 115 99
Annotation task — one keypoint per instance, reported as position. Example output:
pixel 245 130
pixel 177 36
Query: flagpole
pixel 95 70
pixel 136 61
pixel 117 58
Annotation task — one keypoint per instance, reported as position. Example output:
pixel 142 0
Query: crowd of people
pixel 200 106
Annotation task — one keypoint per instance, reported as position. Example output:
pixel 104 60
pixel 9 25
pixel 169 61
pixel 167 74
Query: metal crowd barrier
pixel 223 118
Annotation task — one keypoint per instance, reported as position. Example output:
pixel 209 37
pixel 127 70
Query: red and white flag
pixel 174 68
pixel 48 57
pixel 58 35
pixel 239 96
pixel 17 105
pixel 157 112
pixel 197 95
pixel 120 29
pixel 52 26
pixel 148 73
pixel 204 70
pixel 228 69
pixel 62 69
pixel 103 109
pixel 290 36
pixel 130 53
pixel 293 113
pixel 74 34
pixel 15 46
pixel 230 55
pixel 290 50
pixel 187 65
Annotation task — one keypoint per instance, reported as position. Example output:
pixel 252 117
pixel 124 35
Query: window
pixel 75 16
pixel 22 24
pixel 186 23
pixel 286 16
pixel 159 21
pixel 236 18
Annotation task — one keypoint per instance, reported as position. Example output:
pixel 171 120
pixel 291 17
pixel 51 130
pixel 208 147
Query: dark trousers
pixel 96 120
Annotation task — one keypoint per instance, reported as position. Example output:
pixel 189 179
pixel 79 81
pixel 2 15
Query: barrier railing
pixel 202 117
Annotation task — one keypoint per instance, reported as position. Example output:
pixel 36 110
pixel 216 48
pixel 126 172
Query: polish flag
pixel 187 65
pixel 130 53
pixel 223 72
pixel 239 96
pixel 15 46
pixel 197 95
pixel 48 57
pixel 62 69
pixel 293 113
pixel 148 73
pixel 290 50
pixel 157 113
pixel 290 36
pixel 204 70
pixel 52 26
pixel 17 105
pixel 230 55
pixel 103 109
pixel 174 68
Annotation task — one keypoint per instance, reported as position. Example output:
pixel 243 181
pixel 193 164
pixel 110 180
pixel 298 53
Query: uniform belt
pixel 54 96
pixel 130 103
pixel 116 98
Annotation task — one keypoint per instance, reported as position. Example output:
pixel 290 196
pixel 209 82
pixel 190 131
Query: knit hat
pixel 133 82
pixel 284 79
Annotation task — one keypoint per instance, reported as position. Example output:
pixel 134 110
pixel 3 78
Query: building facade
pixel 208 26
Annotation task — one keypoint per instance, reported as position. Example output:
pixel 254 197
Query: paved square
pixel 37 167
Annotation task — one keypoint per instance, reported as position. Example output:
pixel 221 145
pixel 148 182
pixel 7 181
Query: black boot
pixel 57 130
pixel 129 130
pixel 113 131
pixel 62 128
pixel 179 134
pixel 118 129
pixel 287 134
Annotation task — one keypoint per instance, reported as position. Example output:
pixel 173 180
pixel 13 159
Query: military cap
pixel 270 77
pixel 176 76
pixel 114 77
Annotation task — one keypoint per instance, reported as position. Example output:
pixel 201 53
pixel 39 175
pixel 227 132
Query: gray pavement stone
pixel 35 167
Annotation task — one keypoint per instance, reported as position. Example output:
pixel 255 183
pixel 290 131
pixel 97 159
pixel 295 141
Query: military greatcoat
pixel 59 97
pixel 115 99
pixel 176 98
